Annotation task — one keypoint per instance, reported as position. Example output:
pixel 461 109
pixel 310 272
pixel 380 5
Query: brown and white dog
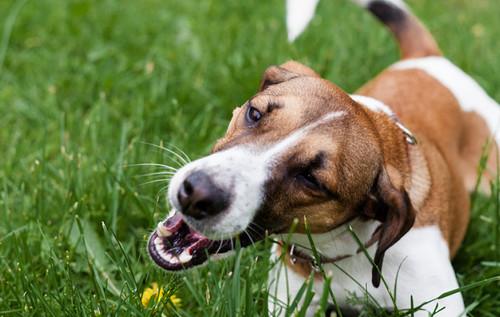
pixel 304 151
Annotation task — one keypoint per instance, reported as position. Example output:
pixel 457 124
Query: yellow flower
pixel 157 294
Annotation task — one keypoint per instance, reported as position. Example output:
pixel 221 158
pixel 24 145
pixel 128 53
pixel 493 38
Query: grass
pixel 85 84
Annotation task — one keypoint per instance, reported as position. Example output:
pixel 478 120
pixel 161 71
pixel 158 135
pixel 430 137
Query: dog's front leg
pixel 283 286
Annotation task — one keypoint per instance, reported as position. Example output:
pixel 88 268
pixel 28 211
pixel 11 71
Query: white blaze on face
pixel 242 171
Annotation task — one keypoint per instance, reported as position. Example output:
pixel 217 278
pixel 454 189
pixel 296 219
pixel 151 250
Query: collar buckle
pixel 410 138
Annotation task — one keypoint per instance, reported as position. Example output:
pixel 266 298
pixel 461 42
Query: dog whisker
pixel 177 156
pixel 253 223
pixel 257 229
pixel 220 246
pixel 164 188
pixel 159 196
pixel 156 173
pixel 211 244
pixel 249 237
pixel 188 159
pixel 168 167
pixel 155 181
pixel 250 228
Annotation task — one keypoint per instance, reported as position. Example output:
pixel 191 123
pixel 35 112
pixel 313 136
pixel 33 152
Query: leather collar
pixel 298 256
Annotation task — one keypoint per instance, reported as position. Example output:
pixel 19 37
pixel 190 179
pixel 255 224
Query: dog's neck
pixel 405 159
pixel 339 242
pixel 395 139
pixel 400 149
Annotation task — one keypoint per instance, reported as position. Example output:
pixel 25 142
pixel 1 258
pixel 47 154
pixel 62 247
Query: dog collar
pixel 298 256
pixel 410 138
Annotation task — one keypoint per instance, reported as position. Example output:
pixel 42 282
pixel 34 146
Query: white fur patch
pixel 283 284
pixel 372 104
pixel 338 241
pixel 468 93
pixel 242 171
pixel 421 257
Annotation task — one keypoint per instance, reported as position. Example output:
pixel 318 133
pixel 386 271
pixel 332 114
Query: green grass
pixel 85 84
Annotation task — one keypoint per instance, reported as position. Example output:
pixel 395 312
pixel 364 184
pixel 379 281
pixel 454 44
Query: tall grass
pixel 84 84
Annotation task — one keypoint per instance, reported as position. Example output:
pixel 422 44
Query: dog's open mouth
pixel 175 246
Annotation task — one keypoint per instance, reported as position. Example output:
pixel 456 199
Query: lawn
pixel 88 88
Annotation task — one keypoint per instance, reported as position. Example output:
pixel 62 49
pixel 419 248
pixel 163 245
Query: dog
pixel 375 185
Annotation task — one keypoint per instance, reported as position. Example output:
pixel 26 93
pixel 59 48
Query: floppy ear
pixel 289 70
pixel 393 208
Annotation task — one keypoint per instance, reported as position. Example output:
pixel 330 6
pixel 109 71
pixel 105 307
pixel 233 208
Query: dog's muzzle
pixel 214 199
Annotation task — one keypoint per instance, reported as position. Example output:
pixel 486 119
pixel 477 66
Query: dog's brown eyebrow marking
pixel 273 105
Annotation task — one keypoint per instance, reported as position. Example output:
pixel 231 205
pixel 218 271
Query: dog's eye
pixel 308 179
pixel 253 115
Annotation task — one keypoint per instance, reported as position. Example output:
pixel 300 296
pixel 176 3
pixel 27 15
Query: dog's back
pixel 451 115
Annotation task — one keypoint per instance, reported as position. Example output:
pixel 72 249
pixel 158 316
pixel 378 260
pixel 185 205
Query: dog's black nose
pixel 199 197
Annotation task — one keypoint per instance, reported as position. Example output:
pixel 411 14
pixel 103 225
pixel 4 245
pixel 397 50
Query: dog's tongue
pixel 175 246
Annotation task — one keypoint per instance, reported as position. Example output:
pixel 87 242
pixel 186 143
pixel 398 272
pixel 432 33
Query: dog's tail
pixel 413 37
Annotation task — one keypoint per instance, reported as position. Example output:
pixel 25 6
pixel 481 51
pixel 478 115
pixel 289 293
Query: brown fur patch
pixel 347 155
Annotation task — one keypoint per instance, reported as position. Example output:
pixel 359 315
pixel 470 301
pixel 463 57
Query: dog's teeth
pixel 168 257
pixel 158 243
pixel 172 259
pixel 163 232
pixel 162 253
pixel 185 257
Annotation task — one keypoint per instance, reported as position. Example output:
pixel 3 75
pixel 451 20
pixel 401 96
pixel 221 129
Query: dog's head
pixel 301 149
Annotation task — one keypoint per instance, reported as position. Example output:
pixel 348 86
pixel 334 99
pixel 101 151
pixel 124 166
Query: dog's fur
pixel 321 156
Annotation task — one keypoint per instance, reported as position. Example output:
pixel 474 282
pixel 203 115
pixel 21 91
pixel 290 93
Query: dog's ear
pixel 289 70
pixel 391 205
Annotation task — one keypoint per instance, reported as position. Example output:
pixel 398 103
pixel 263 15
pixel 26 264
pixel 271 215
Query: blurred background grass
pixel 85 84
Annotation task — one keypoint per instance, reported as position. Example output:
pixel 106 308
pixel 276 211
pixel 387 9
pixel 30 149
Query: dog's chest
pixel 418 264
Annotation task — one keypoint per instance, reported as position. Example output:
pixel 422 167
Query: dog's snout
pixel 199 197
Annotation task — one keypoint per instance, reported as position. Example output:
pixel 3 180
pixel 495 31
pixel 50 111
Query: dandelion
pixel 156 293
